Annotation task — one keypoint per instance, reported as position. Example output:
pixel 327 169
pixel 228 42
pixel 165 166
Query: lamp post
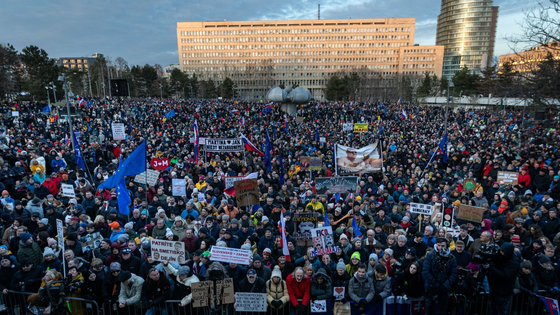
pixel 62 78
pixel 449 85
pixel 48 97
pixel 54 92
pixel 160 91
pixel 103 86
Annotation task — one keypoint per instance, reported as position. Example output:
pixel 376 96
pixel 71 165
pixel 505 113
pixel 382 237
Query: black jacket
pixel 156 292
pixel 256 287
pixel 29 281
pixel 503 273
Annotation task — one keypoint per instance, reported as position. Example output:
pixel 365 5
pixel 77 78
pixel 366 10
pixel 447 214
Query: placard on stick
pixel 246 192
pixel 470 213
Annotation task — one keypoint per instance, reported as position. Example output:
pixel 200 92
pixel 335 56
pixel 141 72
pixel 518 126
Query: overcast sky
pixel 144 31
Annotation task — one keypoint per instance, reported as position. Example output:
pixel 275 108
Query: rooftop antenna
pixel 319 12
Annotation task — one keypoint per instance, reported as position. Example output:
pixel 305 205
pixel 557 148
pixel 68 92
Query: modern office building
pixel 258 55
pixel 79 63
pixel 528 60
pixel 467 30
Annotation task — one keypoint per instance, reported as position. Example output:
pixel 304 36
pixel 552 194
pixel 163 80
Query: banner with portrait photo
pixel 363 160
pixel 335 185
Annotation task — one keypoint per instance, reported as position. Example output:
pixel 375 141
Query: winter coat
pixel 132 294
pixel 155 293
pixel 546 279
pixel 503 273
pixel 256 287
pixel 527 283
pixel 277 291
pixel 299 290
pixel 433 277
pixel 321 291
pixel 382 285
pixel 115 235
pixel 413 285
pixel 32 252
pixel 360 288
pixel 179 283
pixel 132 264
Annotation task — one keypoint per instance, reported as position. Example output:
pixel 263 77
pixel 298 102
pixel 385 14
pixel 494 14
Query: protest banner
pixel 469 185
pixel 339 293
pixel 224 145
pixel 347 127
pixel 246 192
pixel 60 233
pixel 508 178
pixel 232 179
pixel 300 120
pixel 170 251
pixel 470 213
pixel 230 255
pixel 91 241
pixel 447 219
pixel 318 306
pixel 335 185
pixel 179 187
pixel 323 241
pixel 250 302
pixel 361 127
pixel 304 224
pixel 203 293
pixel 160 164
pixel 322 139
pixel 364 160
pixel 118 131
pixel 15 113
pixel 68 190
pixel 150 175
pixel 200 140
pixel 313 163
pixel 421 208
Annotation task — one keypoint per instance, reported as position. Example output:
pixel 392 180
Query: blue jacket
pixel 115 235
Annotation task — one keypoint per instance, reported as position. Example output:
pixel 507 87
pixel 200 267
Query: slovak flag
pixel 399 101
pixel 231 191
pixel 242 121
pixel 403 114
pixel 551 305
pixel 66 140
pixel 196 141
pixel 82 103
pixel 285 250
pixel 235 112
pixel 250 146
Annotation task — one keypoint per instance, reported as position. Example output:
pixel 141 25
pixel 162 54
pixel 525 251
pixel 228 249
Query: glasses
pixel 115 271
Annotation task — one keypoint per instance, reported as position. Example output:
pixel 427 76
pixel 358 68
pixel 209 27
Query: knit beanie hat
pixel 373 255
pixel 183 270
pixel 48 251
pixel 276 272
pixel 340 264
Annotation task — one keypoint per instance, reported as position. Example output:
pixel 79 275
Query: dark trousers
pixel 499 303
pixel 437 304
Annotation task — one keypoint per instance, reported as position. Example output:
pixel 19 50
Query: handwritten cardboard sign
pixel 203 293
pixel 246 192
pixel 470 213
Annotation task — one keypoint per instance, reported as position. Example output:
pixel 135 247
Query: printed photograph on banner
pixel 304 224
pixel 313 163
pixel 335 185
pixel 363 160
pixel 323 241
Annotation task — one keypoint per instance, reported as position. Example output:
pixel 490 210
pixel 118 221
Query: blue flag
pixel 47 109
pixel 133 165
pixel 327 223
pixel 316 135
pixel 78 151
pixel 123 198
pixel 380 130
pixel 129 126
pixel 355 228
pixel 443 147
pixel 281 169
pixel 268 153
pixel 170 114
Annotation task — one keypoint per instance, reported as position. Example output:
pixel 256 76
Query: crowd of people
pixel 513 249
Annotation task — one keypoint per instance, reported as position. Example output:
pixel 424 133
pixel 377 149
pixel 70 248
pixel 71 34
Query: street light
pixel 54 92
pixel 62 78
pixel 449 85
pixel 48 97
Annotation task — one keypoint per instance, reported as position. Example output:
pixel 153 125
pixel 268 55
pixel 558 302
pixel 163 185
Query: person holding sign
pixel 183 282
pixel 252 284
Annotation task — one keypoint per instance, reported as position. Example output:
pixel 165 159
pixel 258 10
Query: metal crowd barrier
pixel 15 303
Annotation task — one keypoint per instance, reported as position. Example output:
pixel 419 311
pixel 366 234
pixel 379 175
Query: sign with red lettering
pixel 323 241
pixel 230 255
pixel 159 164
pixel 170 251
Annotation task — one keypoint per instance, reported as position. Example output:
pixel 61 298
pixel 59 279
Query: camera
pixel 485 254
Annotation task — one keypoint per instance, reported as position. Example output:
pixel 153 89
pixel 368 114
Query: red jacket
pixel 525 179
pixel 299 290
